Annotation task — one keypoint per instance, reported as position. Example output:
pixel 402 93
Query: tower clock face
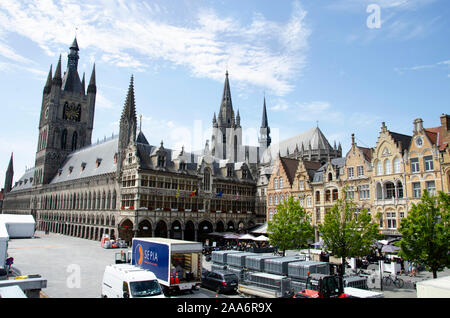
pixel 72 112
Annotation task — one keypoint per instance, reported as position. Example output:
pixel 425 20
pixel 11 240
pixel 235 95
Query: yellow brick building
pixel 385 179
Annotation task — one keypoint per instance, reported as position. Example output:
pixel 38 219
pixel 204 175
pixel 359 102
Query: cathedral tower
pixel 67 117
pixel 264 131
pixel 128 125
pixel 227 131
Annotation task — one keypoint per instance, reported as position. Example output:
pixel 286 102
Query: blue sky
pixel 314 60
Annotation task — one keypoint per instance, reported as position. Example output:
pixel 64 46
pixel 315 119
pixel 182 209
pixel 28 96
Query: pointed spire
pixel 9 175
pixel 92 88
pixel 48 84
pixel 264 122
pixel 74 45
pixel 226 107
pixel 83 83
pixel 129 109
pixel 57 79
pixel 353 140
pixel 238 119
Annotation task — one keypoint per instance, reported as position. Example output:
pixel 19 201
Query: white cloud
pixel 401 70
pixel 262 53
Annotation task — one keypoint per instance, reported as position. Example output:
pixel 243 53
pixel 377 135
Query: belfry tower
pixel 67 117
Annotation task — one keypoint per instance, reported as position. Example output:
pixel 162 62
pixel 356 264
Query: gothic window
pixel 74 140
pixel 330 176
pixel 235 148
pixel 64 139
pixel 207 180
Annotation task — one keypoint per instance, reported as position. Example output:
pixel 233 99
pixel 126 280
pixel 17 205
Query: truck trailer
pixel 176 264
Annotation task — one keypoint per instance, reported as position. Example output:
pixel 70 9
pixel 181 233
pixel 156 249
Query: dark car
pixel 220 281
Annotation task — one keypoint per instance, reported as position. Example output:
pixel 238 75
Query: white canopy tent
pixel 261 238
pixel 246 237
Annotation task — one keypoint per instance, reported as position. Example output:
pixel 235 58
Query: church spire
pixel 57 79
pixel 226 113
pixel 128 120
pixel 48 84
pixel 92 88
pixel 264 122
pixel 9 175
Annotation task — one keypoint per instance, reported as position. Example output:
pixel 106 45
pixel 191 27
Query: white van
pixel 128 281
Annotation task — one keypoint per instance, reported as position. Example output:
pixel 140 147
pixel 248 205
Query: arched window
pixel 397 166
pixel 64 139
pixel 387 167
pixel 379 168
pixel 207 180
pixel 330 176
pixel 74 140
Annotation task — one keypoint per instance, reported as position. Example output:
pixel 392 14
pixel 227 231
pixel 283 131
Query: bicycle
pixel 388 280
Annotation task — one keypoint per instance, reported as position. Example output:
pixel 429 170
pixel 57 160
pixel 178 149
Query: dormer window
pixel 59 172
pixel 229 171
pixel 25 181
pixel 244 173
pixel 130 158
pixel 183 165
pixel 31 180
pixel 115 158
pixel 161 161
pixel 98 162
pixel 83 166
pixel 70 169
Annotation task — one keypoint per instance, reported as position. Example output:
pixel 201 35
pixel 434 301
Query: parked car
pixel 220 281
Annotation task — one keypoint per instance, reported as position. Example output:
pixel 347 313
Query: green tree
pixel 347 232
pixel 291 226
pixel 425 235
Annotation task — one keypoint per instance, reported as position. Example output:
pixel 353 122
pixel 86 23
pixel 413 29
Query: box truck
pixel 176 264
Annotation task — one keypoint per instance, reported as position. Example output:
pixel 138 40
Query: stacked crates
pixel 300 270
pixel 279 266
pixel 256 262
pixel 266 280
pixel 238 259
pixel 221 256
pixel 218 267
pixel 356 282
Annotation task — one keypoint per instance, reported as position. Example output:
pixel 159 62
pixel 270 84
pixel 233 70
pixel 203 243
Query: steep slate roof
pixel 290 167
pixel 404 139
pixel 318 175
pixel 89 155
pixel 311 168
pixel 313 136
pixel 24 182
pixel 367 152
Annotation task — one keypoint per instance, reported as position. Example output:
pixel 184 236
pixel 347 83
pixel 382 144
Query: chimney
pixel 445 124
pixel 418 125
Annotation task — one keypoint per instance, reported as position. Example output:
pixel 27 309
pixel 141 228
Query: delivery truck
pixel 176 264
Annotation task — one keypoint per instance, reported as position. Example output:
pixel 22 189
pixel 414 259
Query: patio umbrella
pixel 231 236
pixel 261 238
pixel 390 249
pixel 247 237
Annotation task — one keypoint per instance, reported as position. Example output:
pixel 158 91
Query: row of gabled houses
pixel 385 179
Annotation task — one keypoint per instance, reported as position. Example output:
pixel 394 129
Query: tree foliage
pixel 425 234
pixel 291 226
pixel 347 232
